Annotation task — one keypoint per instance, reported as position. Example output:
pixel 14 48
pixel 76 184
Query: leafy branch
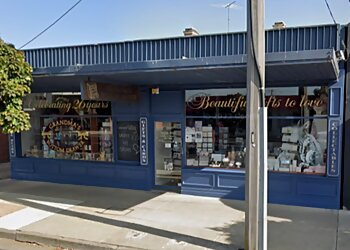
pixel 15 81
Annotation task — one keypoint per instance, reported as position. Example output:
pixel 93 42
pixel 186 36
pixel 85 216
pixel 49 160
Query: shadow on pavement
pixel 95 197
pixel 140 197
pixel 289 227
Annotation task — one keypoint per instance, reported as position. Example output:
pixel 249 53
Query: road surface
pixel 6 244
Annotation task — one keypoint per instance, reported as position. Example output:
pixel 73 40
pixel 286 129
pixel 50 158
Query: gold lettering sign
pixel 238 102
pixel 67 104
pixel 56 132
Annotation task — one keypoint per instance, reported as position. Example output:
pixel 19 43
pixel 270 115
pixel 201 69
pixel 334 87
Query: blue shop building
pixel 170 113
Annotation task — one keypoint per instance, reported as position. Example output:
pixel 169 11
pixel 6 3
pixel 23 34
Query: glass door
pixel 168 153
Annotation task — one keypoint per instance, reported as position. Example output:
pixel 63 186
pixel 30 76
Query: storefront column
pixel 346 139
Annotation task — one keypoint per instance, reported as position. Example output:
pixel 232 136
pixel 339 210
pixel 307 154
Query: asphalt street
pixel 7 244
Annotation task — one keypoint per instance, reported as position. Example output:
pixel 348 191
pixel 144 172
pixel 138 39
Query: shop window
pixel 297 129
pixel 216 143
pixel 65 127
pixel 297 145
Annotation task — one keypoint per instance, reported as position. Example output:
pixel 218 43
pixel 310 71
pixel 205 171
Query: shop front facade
pixel 170 114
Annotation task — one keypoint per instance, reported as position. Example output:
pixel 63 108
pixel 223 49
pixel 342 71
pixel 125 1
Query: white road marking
pixel 29 215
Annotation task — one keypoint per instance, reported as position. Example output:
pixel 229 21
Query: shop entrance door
pixel 168 153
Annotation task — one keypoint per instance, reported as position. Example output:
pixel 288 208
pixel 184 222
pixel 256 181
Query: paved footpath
pixel 4 170
pixel 80 217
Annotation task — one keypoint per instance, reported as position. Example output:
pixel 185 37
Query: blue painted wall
pixel 283 188
pixel 81 173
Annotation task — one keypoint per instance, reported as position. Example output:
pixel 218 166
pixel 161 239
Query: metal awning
pixel 309 67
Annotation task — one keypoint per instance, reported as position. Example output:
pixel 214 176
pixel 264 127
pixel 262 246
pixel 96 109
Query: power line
pixel 330 11
pixel 48 27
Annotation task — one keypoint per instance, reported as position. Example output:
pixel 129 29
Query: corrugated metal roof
pixel 214 45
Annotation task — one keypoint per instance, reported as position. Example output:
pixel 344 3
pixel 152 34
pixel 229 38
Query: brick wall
pixel 4 148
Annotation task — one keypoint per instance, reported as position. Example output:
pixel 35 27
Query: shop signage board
pixel 66 104
pixel 128 146
pixel 333 147
pixel 143 141
pixel 238 102
pixel 12 145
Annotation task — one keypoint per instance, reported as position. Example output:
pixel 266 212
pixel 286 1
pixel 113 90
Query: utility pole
pixel 256 137
pixel 228 6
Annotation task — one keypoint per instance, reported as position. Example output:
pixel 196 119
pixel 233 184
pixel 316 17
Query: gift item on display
pixel 168 164
pixel 299 151
pixel 216 142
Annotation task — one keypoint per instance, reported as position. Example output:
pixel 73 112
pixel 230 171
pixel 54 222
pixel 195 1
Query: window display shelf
pixel 210 167
pixel 297 173
pixel 207 168
pixel 161 172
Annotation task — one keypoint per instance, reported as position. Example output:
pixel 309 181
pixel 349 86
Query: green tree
pixel 15 81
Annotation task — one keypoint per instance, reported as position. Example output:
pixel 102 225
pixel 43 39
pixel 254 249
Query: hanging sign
pixel 108 92
pixel 333 148
pixel 143 141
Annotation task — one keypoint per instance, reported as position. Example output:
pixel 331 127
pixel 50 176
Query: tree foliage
pixel 15 81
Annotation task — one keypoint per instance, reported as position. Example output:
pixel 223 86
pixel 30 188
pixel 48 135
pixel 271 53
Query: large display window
pixel 66 127
pixel 297 129
pixel 215 142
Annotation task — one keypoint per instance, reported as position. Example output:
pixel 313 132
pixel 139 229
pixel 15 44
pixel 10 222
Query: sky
pixel 99 21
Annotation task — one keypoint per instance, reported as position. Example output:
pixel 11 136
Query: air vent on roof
pixel 279 25
pixel 190 32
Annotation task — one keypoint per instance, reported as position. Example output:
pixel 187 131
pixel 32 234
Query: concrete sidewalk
pixel 80 217
pixel 4 170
